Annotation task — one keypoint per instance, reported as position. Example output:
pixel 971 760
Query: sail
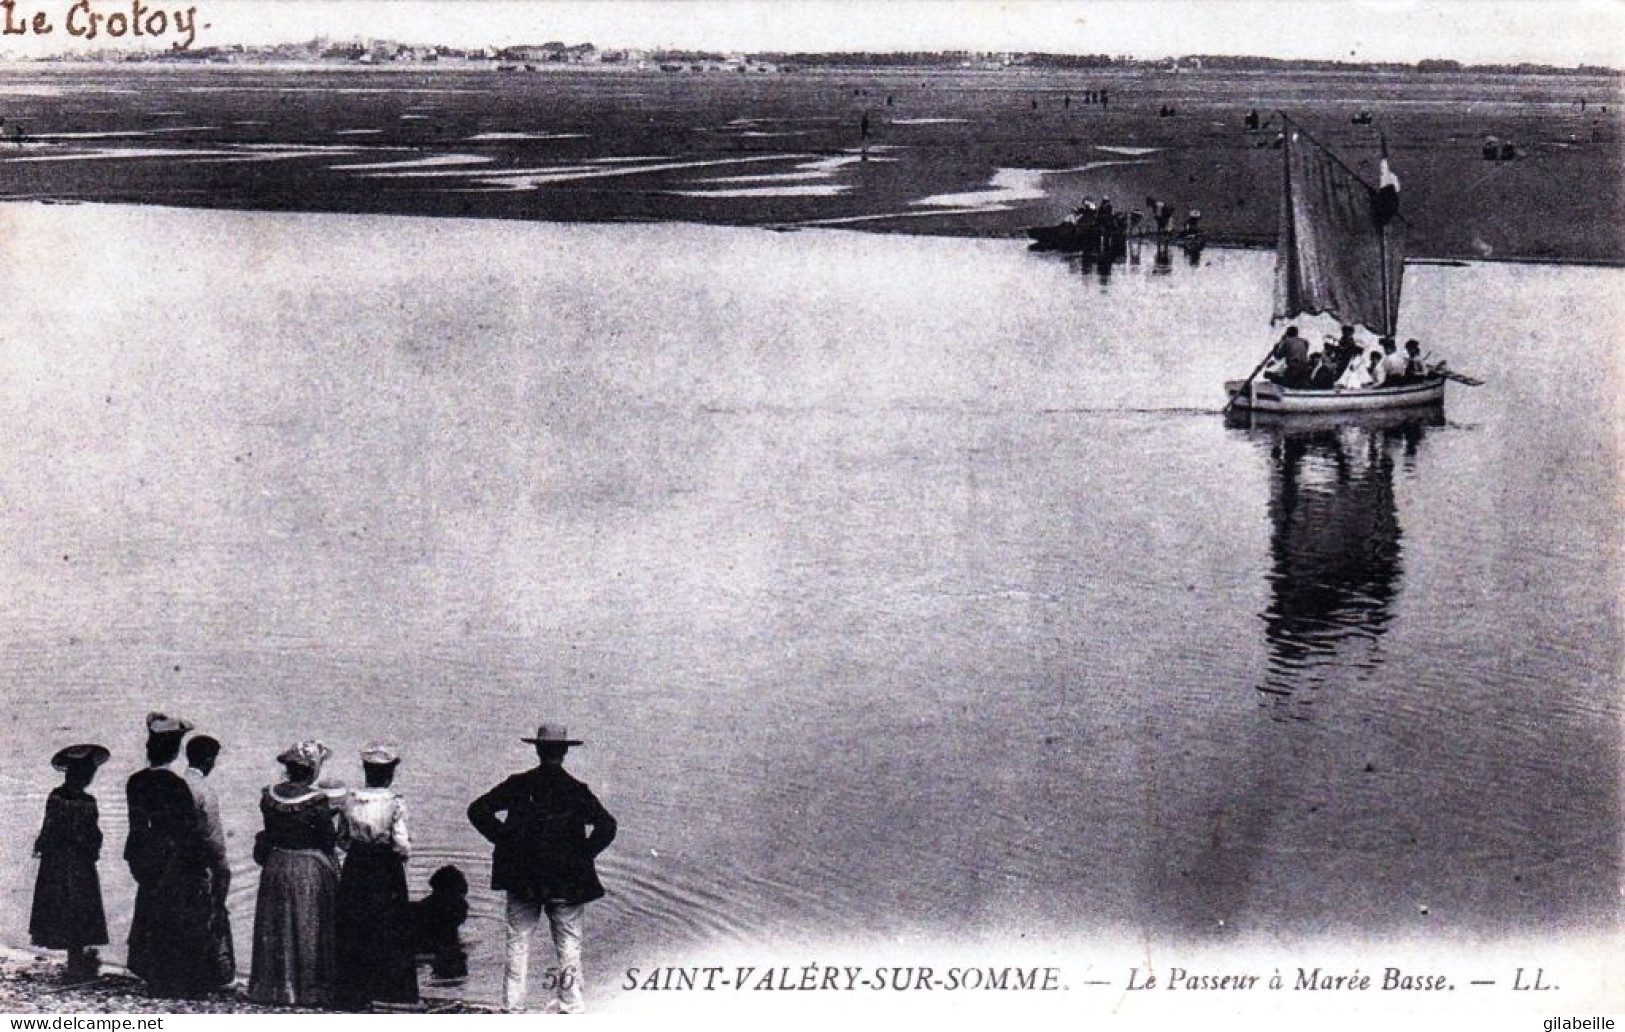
pixel 1340 250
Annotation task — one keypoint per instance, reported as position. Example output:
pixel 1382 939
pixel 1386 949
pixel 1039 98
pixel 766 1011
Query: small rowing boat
pixel 1262 395
pixel 1339 252
pixel 1085 237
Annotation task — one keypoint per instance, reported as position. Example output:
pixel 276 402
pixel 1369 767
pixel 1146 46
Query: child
pixel 68 895
pixel 437 918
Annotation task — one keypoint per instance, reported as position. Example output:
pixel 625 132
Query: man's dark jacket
pixel 543 850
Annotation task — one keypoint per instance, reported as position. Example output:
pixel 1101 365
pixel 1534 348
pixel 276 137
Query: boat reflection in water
pixel 1335 543
pixel 1100 266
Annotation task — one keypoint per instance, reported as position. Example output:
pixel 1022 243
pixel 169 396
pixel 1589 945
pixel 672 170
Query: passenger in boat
pixel 1292 352
pixel 1322 369
pixel 1376 373
pixel 1357 376
pixel 1415 368
pixel 1342 352
pixel 1394 364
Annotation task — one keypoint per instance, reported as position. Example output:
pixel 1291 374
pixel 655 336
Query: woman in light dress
pixel 377 962
pixel 1363 371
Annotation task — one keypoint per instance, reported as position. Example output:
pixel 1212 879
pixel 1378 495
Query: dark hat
pixel 552 734
pixel 158 724
pixel 79 755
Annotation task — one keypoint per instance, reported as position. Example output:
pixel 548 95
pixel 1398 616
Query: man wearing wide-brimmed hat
pixel 544 861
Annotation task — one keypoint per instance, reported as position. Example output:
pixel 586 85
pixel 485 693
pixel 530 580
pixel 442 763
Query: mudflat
pixel 932 151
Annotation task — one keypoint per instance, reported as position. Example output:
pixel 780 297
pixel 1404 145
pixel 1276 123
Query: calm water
pixel 909 574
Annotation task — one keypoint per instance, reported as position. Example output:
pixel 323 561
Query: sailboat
pixel 1339 251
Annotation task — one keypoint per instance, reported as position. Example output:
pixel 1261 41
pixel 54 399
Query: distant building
pixel 552 52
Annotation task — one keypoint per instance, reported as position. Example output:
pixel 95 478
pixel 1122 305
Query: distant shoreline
pixel 973 153
pixel 162 65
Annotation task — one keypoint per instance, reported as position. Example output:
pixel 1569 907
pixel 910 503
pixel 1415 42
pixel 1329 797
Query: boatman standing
pixel 544 861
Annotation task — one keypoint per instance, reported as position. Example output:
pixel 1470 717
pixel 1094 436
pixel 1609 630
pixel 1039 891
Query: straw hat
pixel 79 755
pixel 552 734
pixel 378 754
pixel 159 724
pixel 309 753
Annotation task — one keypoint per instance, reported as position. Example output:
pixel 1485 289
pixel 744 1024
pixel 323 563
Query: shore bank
pixel 940 152
pixel 34 983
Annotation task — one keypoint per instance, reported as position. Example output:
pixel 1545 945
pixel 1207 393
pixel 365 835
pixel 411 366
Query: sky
pixel 1560 32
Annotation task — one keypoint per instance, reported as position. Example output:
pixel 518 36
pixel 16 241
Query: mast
pixel 1389 318
pixel 1286 237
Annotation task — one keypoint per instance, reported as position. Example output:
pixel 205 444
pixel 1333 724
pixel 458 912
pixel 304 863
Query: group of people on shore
pixel 1342 363
pixel 334 925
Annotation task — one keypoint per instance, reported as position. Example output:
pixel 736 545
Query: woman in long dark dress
pixel 201 753
pixel 169 931
pixel 376 958
pixel 67 912
pixel 295 951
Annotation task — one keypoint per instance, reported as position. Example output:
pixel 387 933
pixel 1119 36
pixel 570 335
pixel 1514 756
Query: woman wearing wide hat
pixel 67 912
pixel 169 931
pixel 295 951
pixel 376 959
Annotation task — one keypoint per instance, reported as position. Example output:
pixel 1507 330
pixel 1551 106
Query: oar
pixel 1228 405
pixel 1450 374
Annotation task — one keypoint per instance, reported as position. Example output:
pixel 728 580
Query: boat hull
pixel 1264 396
pixel 1078 238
